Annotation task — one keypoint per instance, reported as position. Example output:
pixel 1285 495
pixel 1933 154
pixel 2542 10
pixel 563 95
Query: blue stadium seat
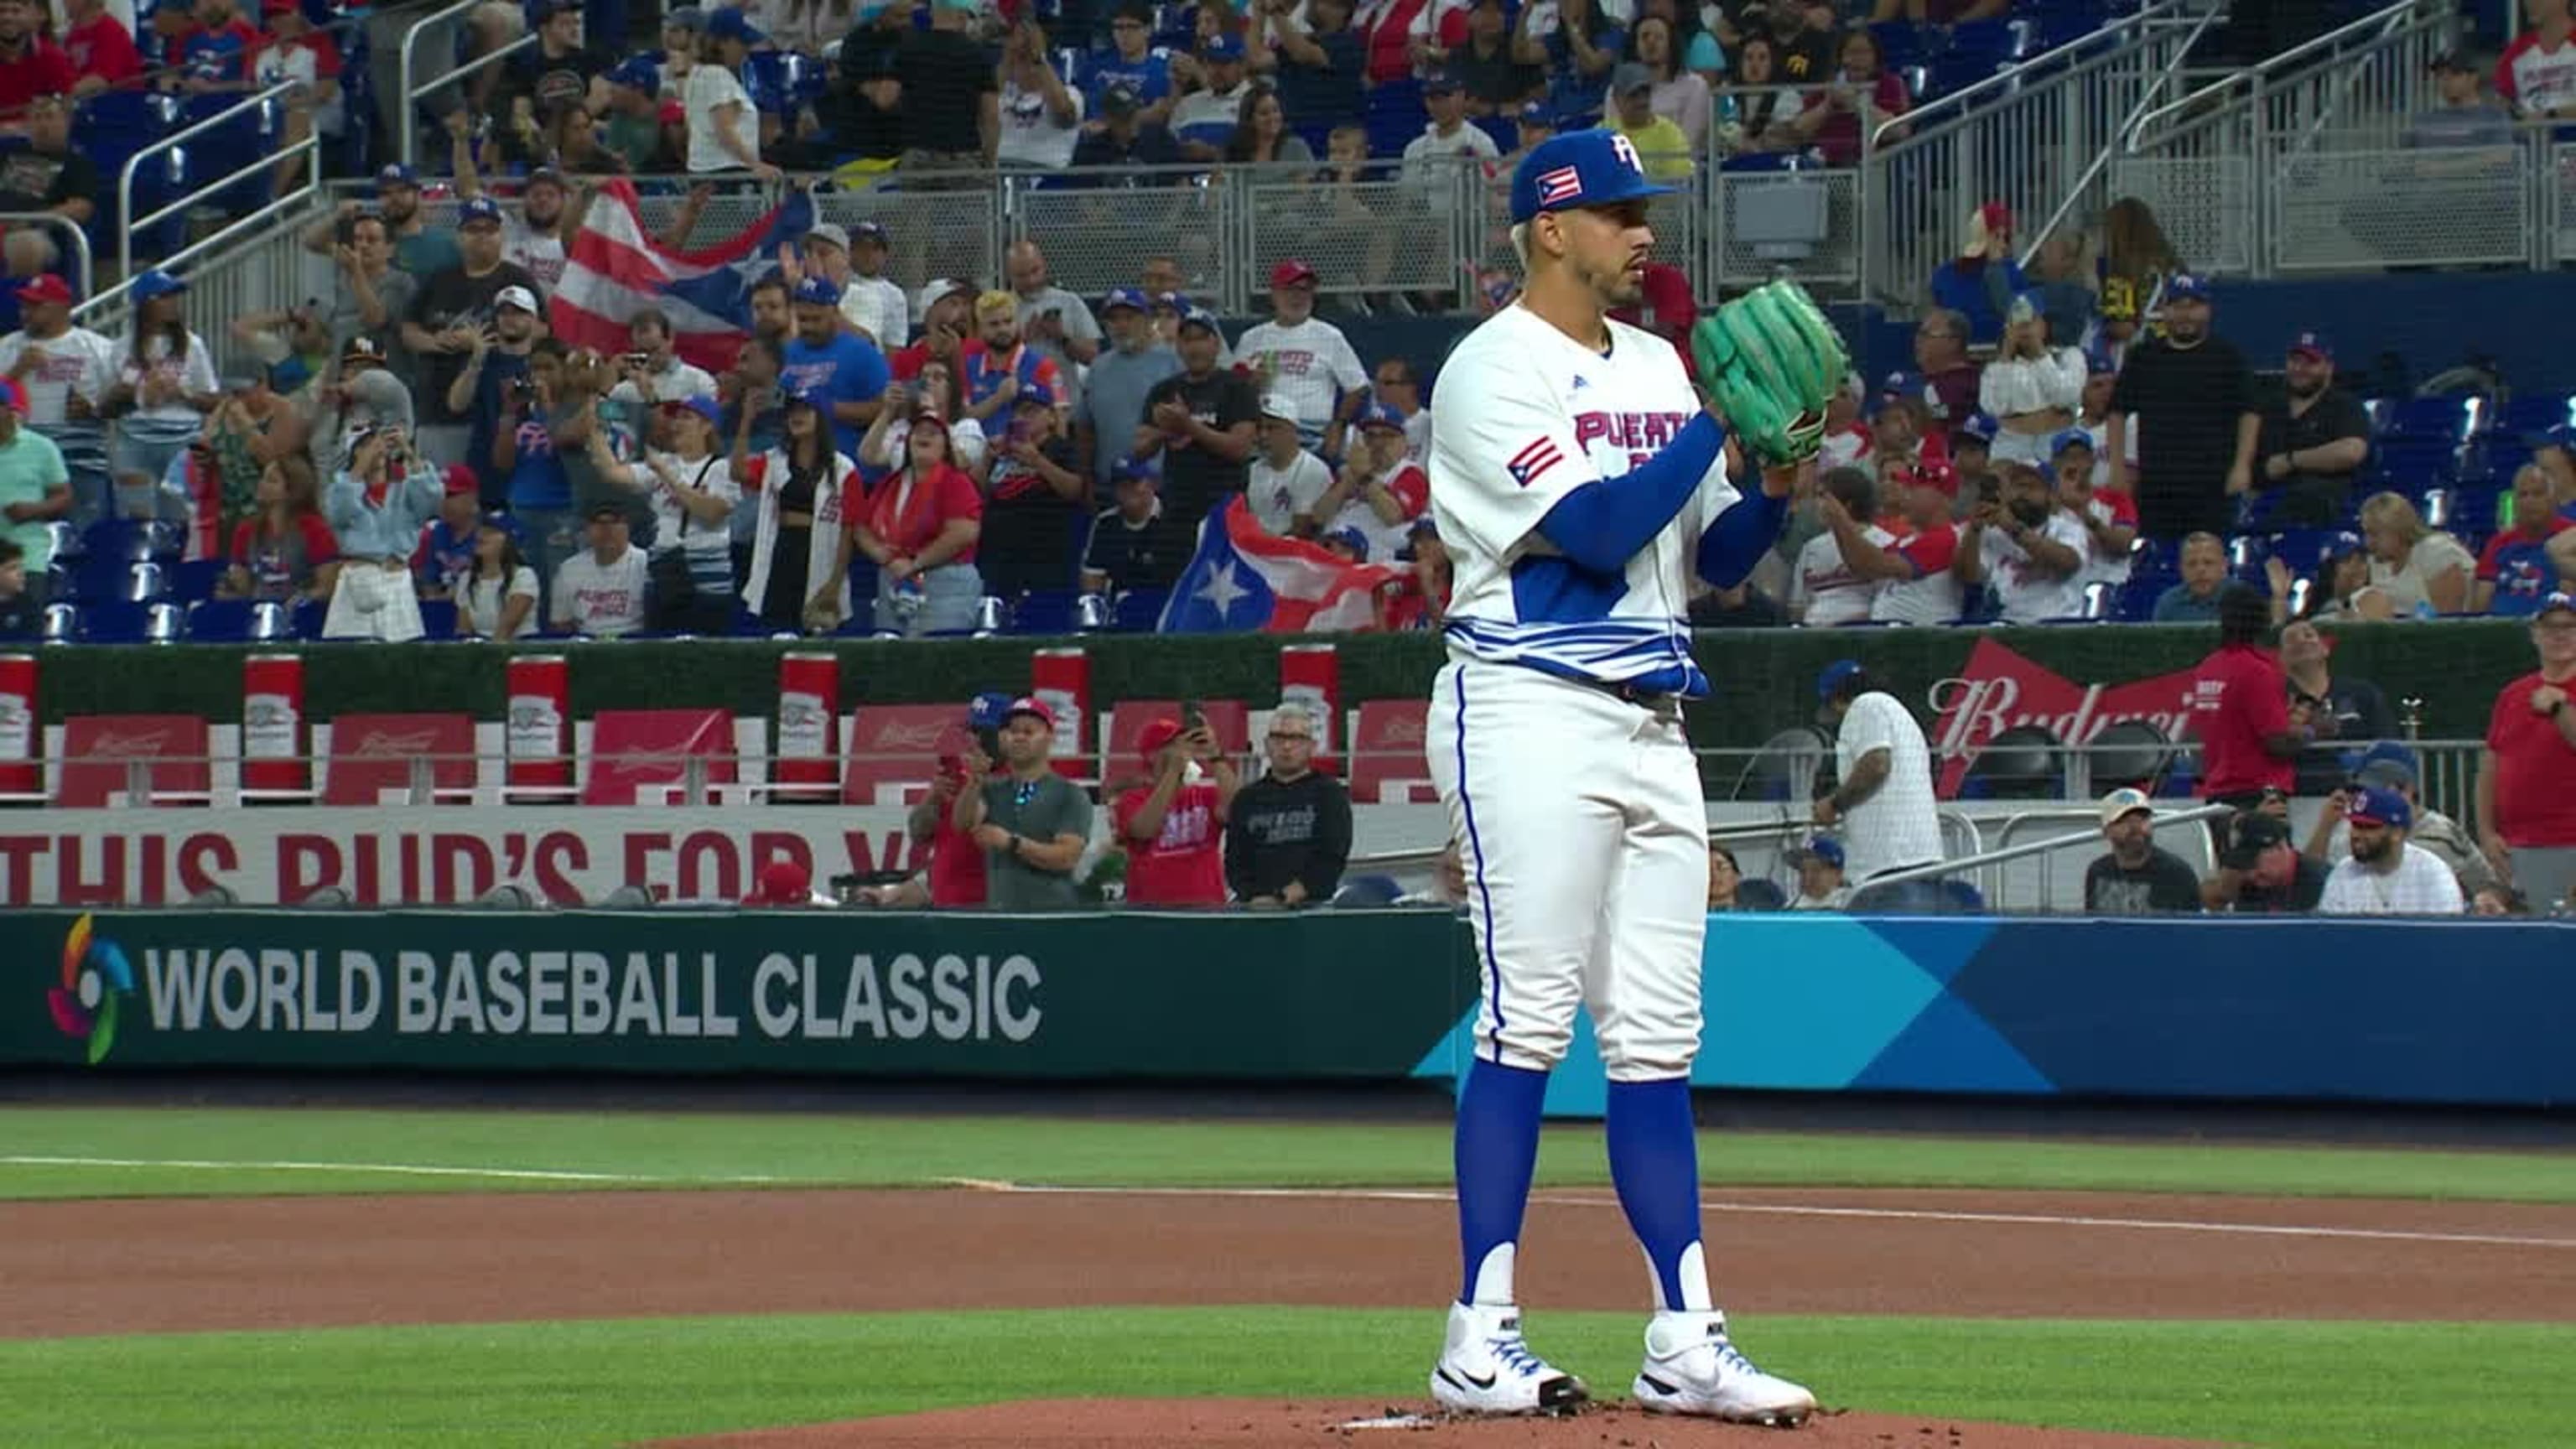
pixel 1395 115
pixel 1138 611
pixel 2447 418
pixel 438 618
pixel 194 579
pixel 1043 611
pixel 2137 601
pixel 1755 894
pixel 158 622
pixel 239 621
pixel 2303 549
pixel 2536 413
pixel 1901 42
pixel 2246 555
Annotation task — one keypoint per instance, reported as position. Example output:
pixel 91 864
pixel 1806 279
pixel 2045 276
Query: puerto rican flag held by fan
pixel 1244 577
pixel 616 269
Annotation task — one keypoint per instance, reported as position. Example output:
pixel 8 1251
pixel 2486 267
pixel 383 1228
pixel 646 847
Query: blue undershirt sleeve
pixel 1736 541
pixel 1603 523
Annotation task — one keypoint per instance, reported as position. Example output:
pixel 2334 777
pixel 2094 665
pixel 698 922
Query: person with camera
pixel 799 575
pixel 529 470
pixel 376 509
pixel 2526 788
pixel 1033 500
pixel 448 316
pixel 2031 388
pixel 1174 828
pixel 693 495
pixel 2030 548
pixel 920 525
pixel 650 371
pixel 1289 835
pixel 1031 822
pixel 493 383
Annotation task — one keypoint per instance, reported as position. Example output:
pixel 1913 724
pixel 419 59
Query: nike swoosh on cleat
pixel 1469 1380
pixel 1658 1385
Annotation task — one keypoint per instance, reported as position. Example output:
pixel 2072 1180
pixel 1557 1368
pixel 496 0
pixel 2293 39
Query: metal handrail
pixel 2102 160
pixel 411 94
pixel 2003 853
pixel 2386 21
pixel 54 222
pixel 311 145
pixel 2014 73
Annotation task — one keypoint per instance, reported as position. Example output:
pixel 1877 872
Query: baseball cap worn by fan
pixel 2379 806
pixel 1833 676
pixel 478 211
pixel 2560 602
pixel 1292 273
pixel 1819 847
pixel 2253 833
pixel 1157 734
pixel 460 479
pixel 2387 765
pixel 819 292
pixel 828 234
pixel 43 289
pixel 2311 344
pixel 2125 802
pixel 1279 407
pixel 13 396
pixel 1031 706
pixel 1126 297
pixel 519 297
pixel 1352 539
pixel 704 406
pixel 1579 169
pixel 988 709
pixel 2184 287
pixel 731 24
pixel 1200 317
pixel 1631 77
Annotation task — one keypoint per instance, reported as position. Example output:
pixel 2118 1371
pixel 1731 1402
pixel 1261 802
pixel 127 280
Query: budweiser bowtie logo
pixel 2000 690
pixel 1407 730
pixel 898 735
pixel 376 744
pixel 146 744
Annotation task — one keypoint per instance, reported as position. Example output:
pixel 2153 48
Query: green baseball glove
pixel 1771 361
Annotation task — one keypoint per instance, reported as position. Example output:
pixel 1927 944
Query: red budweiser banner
pixel 1999 690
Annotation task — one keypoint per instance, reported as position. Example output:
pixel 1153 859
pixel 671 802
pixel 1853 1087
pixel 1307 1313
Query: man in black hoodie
pixel 1290 831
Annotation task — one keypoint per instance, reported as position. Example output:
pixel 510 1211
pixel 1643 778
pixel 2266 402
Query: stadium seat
pixel 1043 611
pixel 194 579
pixel 2246 556
pixel 62 624
pixel 2431 417
pixel 99 752
pixel 2129 752
pixel 238 621
pixel 374 753
pixel 1755 894
pixel 1138 611
pixel 1387 765
pixel 635 750
pixel 438 618
pixel 118 621
pixel 2536 413
pixel 895 749
pixel 2019 763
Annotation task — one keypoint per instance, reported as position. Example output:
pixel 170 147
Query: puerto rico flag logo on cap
pixel 1560 185
pixel 95 974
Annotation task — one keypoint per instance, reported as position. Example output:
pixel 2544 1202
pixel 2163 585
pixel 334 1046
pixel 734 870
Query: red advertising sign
pixel 1999 690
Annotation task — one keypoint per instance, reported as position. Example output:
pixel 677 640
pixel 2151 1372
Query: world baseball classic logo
pixel 95 974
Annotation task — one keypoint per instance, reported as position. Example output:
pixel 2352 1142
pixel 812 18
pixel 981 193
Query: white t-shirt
pixel 1311 363
pixel 484 600
pixel 2421 885
pixel 1899 825
pixel 1528 415
pixel 1030 135
pixel 1209 114
pixel 195 375
pixel 78 361
pixel 1825 590
pixel 541 252
pixel 1277 495
pixel 2101 567
pixel 1427 156
pixel 708 88
pixel 2028 595
pixel 879 306
pixel 1933 595
pixel 709 544
pixel 604 600
pixel 677 383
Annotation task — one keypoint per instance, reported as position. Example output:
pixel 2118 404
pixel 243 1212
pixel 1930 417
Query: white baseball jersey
pixel 2421 885
pixel 1900 824
pixel 1825 591
pixel 2029 596
pixel 1527 416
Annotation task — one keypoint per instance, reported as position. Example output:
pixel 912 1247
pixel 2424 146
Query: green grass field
pixel 486 1151
pixel 2402 1386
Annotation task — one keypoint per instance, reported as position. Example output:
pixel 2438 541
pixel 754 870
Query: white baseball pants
pixel 1585 840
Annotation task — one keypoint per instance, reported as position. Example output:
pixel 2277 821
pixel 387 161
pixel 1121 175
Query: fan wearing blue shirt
pixel 826 358
pixel 1133 58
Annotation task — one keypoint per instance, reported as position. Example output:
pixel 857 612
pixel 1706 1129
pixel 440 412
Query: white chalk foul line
pixel 1821 1210
pixel 393 1169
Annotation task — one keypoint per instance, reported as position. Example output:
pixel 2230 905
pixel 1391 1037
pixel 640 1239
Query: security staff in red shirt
pixel 2250 734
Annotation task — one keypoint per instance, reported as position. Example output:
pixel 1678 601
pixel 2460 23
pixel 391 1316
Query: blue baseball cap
pixel 867 231
pixel 397 175
pixel 1981 426
pixel 987 710
pixel 820 291
pixel 1201 317
pixel 2346 542
pixel 1442 83
pixel 1579 168
pixel 2554 602
pixel 1379 415
pixel 1352 539
pixel 1902 384
pixel 2378 805
pixel 1537 113
pixel 636 73
pixel 1832 677
pixel 2186 287
pixel 2071 438
pixel 499 521
pixel 1177 301
pixel 1127 297
pixel 731 24
pixel 2387 765
pixel 2561 437
pixel 1820 847
pixel 703 405
pixel 1129 470
pixel 1224 46
pixel 155 283
pixel 1034 392
pixel 817 398
pixel 2098 361
pixel 478 208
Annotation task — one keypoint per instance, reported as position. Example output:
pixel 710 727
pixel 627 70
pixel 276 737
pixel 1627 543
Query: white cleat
pixel 1486 1367
pixel 1691 1368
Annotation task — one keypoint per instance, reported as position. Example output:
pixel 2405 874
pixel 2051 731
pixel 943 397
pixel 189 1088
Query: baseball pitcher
pixel 1578 482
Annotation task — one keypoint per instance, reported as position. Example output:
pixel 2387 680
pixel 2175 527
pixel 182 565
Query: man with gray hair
pixel 1950 377
pixel 1289 833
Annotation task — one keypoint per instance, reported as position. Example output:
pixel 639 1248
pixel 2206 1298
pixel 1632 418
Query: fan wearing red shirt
pixel 102 50
pixel 2249 740
pixel 920 525
pixel 2527 774
pixel 30 65
pixel 1174 829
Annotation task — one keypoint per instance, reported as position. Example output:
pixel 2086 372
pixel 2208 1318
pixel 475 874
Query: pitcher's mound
pixel 1280 1424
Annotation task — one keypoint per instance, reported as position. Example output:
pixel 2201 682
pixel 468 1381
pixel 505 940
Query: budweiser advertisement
pixel 2000 690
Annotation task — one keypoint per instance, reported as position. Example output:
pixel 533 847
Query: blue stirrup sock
pixel 1497 1152
pixel 1654 1162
